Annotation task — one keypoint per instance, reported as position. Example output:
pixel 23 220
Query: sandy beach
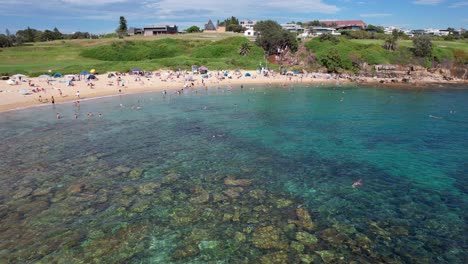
pixel 37 91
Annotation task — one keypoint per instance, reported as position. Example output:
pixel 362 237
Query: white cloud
pixel 92 2
pixel 376 15
pixel 458 4
pixel 427 2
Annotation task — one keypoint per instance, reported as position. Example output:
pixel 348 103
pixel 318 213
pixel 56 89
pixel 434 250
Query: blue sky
pixel 102 16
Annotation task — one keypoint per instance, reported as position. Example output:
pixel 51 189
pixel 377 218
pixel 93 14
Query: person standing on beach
pixel 78 94
pixel 52 100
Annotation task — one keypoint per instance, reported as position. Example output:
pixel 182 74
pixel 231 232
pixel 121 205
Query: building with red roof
pixel 344 24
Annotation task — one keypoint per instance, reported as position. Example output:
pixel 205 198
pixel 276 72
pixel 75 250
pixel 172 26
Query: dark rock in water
pixel 202 196
pixel 43 191
pixel 76 188
pixel 239 182
pixel 268 238
pixel 135 174
pixel 22 192
pixel 233 192
pixel 306 238
pixel 278 257
pixel 304 220
pixel 170 178
pixel 187 251
pixel 148 188
pixel 329 256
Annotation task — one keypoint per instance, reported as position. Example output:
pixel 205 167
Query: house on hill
pixel 134 31
pixel 159 30
pixel 344 24
pixel 211 28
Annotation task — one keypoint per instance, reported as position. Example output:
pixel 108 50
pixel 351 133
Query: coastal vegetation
pixel 218 51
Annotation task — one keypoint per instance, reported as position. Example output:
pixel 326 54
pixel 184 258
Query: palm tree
pixel 244 49
pixel 390 44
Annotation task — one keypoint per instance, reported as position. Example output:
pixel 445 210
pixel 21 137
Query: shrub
pixel 422 46
pixel 332 60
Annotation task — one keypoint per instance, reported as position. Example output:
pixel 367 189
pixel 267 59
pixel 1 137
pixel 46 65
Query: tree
pixel 235 28
pixel 422 46
pixel 27 35
pixel 57 34
pixel 273 38
pixel 377 29
pixel 329 37
pixel 332 60
pixel 390 44
pixel 244 49
pixel 193 29
pixel 122 29
pixel 5 41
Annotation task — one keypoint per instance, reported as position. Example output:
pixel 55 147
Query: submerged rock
pixel 281 203
pixel 329 256
pixel 268 238
pixel 43 191
pixel 187 251
pixel 148 188
pixel 237 182
pixel 128 190
pixel 279 257
pixel 202 195
pixel 135 174
pixel 298 247
pixel 257 194
pixel 76 188
pixel 22 192
pixel 233 192
pixel 304 220
pixel 170 178
pixel 306 238
pixel 240 237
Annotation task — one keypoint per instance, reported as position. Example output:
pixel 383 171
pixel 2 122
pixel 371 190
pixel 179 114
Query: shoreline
pixel 11 99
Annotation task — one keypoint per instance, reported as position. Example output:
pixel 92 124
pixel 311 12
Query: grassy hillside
pixel 216 51
pixel 353 52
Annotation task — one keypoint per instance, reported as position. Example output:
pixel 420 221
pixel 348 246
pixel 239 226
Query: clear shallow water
pixel 155 185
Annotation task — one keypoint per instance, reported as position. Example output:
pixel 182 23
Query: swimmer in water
pixel 58 116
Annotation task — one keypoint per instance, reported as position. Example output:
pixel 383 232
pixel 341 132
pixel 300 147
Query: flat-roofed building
pixel 160 30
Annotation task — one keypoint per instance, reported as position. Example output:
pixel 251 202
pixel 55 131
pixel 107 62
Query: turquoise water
pixel 231 175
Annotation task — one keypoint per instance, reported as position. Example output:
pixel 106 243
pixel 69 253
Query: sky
pixel 102 16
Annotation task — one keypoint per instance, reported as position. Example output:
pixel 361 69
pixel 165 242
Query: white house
pixel 248 24
pixel 317 31
pixel 292 28
pixel 250 33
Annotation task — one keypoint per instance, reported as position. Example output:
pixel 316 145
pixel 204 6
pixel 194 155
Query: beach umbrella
pixel 11 82
pixel 247 74
pixel 84 73
pixel 45 76
pixel 136 70
pixel 91 77
pixel 19 76
pixel 58 75
pixel 92 71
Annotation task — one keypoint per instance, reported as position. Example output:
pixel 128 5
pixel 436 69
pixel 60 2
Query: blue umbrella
pixel 247 75
pixel 91 77
pixel 84 73
pixel 58 75
pixel 136 70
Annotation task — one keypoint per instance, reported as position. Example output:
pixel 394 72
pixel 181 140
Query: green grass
pixel 216 51
pixel 371 51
